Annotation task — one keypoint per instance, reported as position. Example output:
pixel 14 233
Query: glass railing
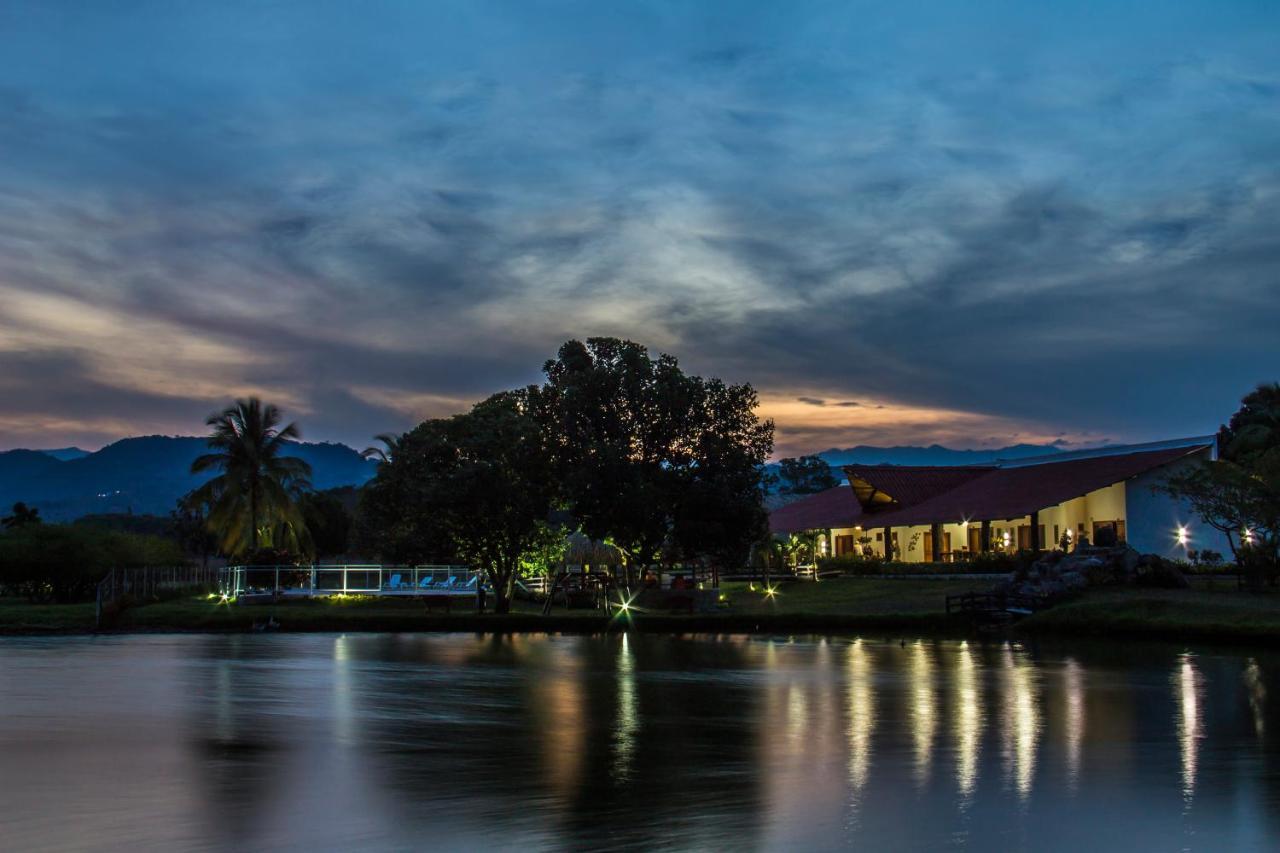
pixel 323 579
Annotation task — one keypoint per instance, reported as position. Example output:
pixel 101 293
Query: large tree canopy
pixel 1254 430
pixel 647 455
pixel 479 485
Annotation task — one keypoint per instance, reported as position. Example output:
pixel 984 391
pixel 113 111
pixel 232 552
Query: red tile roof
pixel 976 494
pixel 914 484
pixel 836 507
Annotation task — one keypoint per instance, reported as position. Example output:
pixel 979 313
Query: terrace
pixel 323 580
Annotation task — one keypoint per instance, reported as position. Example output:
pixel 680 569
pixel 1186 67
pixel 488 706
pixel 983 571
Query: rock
pixel 1052 558
pixel 1074 580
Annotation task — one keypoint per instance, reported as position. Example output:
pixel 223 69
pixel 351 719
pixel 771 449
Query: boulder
pixel 1074 580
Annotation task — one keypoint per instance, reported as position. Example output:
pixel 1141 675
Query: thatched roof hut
pixel 582 551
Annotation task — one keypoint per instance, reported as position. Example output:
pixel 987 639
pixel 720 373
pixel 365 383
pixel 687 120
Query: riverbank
pixel 1209 612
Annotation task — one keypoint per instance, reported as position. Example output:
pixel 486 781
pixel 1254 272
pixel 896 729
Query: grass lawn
pixel 17 616
pixel 851 596
pixel 1207 612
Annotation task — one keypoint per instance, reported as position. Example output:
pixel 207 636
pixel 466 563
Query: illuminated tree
pixel 252 500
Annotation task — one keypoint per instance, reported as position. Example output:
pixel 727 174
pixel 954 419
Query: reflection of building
pixel 932 513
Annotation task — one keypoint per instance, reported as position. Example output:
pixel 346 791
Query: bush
pixel 874 565
pixel 851 564
pixel 1157 573
pixel 993 562
pixel 65 562
pixel 1258 567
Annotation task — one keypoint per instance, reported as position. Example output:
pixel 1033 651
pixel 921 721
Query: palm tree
pixel 252 501
pixel 390 444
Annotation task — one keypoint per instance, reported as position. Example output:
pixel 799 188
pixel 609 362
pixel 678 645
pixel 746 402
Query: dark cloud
pixel 388 213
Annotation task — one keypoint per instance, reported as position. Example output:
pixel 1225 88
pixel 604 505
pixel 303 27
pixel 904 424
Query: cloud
pixel 976 224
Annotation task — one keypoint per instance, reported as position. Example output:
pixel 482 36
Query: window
pixel 1108 532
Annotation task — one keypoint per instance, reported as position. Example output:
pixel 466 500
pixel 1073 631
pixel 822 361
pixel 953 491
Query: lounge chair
pixel 447 584
pixel 394 583
pixel 471 584
pixel 425 583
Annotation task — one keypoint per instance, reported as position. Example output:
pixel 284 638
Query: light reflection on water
pixel 632 742
pixel 967 721
pixel 1188 690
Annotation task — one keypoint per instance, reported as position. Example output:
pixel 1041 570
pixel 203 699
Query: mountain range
pixel 144 475
pixel 934 454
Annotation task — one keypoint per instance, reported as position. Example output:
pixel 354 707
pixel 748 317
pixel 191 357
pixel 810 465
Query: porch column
pixel 984 537
pixel 1035 532
pixel 888 544
pixel 935 532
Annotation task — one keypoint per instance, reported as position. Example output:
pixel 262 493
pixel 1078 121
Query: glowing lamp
pixel 1183 534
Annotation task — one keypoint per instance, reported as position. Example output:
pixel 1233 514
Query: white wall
pixel 1154 517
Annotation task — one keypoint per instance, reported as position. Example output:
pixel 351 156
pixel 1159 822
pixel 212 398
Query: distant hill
pixel 934 454
pixel 66 453
pixel 144 475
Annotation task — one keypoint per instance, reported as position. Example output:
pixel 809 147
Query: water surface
pixel 399 742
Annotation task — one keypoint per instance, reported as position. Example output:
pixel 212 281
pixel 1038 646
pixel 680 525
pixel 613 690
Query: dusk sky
pixel 968 223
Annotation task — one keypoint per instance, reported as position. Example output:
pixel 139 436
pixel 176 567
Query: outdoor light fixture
pixel 1184 535
pixel 770 591
pixel 1248 536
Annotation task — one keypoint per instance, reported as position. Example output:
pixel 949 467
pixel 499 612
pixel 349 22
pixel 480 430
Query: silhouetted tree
pixel 640 447
pixel 21 516
pixel 189 525
pixel 805 475
pixel 1239 495
pixel 385 453
pixel 480 484
pixel 327 522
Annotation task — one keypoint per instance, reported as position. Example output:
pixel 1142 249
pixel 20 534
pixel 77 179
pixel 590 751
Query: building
pixel 939 513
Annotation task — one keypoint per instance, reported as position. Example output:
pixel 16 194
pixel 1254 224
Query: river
pixel 464 742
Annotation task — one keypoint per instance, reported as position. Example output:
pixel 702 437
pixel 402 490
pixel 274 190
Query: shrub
pixel 993 562
pixel 1258 567
pixel 852 564
pixel 65 562
pixel 1158 573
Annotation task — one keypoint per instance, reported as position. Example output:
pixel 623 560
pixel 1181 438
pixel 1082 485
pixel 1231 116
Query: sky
pixel 974 223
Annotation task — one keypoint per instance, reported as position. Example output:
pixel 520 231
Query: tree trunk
pixel 503 584
pixel 253 517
